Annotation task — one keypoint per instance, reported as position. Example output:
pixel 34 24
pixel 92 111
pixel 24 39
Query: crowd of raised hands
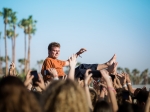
pixel 111 92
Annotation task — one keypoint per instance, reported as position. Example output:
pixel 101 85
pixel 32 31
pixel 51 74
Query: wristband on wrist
pixel 129 83
pixel 111 88
pixel 124 85
pixel 86 85
pixel 56 78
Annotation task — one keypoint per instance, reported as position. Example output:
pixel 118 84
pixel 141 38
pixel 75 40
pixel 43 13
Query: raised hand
pixel 128 78
pixel 12 66
pixel 40 82
pixel 28 79
pixel 12 70
pixel 105 75
pixel 87 76
pixel 72 61
pixel 122 78
pixel 53 72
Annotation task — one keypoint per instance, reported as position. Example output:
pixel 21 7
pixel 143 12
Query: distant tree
pixel 149 78
pixel 2 59
pixel 13 21
pixel 21 61
pixel 30 30
pixel 135 72
pixel 6 14
pixel 144 76
pixel 127 70
pixel 39 63
pixel 4 68
pixel 119 69
pixel 135 78
pixel 10 34
pixel 24 24
pixel 78 63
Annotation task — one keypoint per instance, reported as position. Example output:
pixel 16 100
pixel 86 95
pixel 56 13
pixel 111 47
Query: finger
pixel 119 75
pixel 65 77
pixel 31 77
pixel 84 49
pixel 39 77
pixel 115 64
pixel 90 75
pixel 78 79
pixel 28 74
pixel 38 83
pixel 87 71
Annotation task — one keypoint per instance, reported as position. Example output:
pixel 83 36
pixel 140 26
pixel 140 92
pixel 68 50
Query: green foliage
pixel 22 76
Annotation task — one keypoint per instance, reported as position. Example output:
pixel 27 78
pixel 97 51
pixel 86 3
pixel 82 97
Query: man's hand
pixel 82 50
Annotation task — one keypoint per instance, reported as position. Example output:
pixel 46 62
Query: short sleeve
pixel 62 63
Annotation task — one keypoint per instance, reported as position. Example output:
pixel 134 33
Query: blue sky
pixel 103 27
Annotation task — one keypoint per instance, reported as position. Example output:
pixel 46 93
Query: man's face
pixel 54 53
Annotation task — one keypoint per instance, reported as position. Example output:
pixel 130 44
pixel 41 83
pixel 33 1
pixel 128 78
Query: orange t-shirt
pixel 53 63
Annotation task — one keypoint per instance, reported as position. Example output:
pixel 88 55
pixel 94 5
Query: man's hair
pixel 53 44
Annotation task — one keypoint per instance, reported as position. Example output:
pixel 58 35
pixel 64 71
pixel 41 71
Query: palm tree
pixel 119 69
pixel 40 62
pixel 135 72
pixel 13 23
pixel 21 61
pixel 144 76
pixel 23 24
pixel 135 77
pixel 6 14
pixel 127 70
pixel 10 34
pixel 0 56
pixel 31 30
pixel 2 59
pixel 78 63
pixel 4 68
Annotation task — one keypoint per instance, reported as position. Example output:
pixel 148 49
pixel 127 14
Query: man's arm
pixel 82 50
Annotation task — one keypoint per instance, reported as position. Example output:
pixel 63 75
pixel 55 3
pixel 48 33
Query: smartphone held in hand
pixel 35 79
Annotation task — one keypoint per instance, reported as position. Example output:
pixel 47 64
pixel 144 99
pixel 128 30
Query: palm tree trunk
pixel 29 51
pixel 6 62
pixel 0 57
pixel 14 44
pixel 25 63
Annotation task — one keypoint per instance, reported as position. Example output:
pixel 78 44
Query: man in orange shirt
pixel 52 62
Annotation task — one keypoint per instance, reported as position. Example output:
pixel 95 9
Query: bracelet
pixel 124 85
pixel 111 88
pixel 56 78
pixel 86 85
pixel 129 83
